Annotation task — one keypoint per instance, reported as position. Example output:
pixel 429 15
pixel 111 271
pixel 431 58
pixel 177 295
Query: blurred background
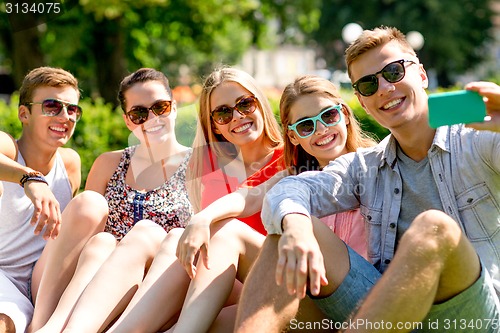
pixel 101 41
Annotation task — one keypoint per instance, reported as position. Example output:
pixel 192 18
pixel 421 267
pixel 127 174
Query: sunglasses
pixel 392 72
pixel 139 114
pixel 53 107
pixel 330 116
pixel 223 114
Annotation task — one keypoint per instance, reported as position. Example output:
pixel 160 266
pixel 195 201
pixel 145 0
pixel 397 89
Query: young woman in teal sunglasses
pixel 319 127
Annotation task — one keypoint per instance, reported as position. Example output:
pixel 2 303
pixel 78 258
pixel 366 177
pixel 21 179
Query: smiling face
pixel 394 105
pixel 56 130
pixel 327 142
pixel 241 130
pixel 156 129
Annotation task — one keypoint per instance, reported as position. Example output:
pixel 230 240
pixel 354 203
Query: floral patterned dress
pixel 167 205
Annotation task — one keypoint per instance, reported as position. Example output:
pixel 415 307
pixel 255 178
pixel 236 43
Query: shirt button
pixel 396 190
pixel 387 261
pixel 392 225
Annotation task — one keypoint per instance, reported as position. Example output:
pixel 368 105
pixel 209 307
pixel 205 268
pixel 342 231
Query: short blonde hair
pixel 370 39
pixel 45 77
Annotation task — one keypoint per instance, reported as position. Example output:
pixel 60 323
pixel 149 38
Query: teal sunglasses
pixel 306 127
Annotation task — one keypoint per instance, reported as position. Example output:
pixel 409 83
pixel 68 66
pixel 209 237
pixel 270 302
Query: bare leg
pixel 117 280
pixel 267 307
pixel 158 300
pixel 57 264
pixel 234 246
pixel 95 252
pixel 434 262
pixel 224 323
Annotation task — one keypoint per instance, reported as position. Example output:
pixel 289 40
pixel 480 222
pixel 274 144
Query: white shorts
pixel 14 304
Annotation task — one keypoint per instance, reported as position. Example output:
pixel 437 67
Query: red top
pixel 216 183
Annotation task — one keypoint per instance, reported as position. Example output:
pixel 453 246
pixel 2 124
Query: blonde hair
pixel 370 39
pixel 45 77
pixel 207 138
pixel 295 157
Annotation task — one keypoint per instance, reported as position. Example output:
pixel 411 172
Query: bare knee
pixel 169 244
pixel 175 234
pixel 228 232
pixel 88 207
pixel 144 238
pixel 99 245
pixel 434 233
pixel 6 324
pixel 92 201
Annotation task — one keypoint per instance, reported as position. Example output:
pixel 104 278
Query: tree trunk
pixel 26 51
pixel 109 52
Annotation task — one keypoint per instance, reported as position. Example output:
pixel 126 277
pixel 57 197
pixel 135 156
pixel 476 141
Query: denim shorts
pixel 357 283
pixel 476 309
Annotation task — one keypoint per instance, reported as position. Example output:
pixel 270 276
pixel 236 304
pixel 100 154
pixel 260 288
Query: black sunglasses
pixel 392 72
pixel 53 107
pixel 223 114
pixel 139 114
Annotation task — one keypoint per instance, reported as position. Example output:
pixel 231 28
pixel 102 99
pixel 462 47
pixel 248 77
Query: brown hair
pixel 370 39
pixel 45 77
pixel 205 135
pixel 296 158
pixel 141 75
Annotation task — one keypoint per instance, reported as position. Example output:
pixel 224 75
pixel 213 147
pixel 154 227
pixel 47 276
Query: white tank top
pixel 20 248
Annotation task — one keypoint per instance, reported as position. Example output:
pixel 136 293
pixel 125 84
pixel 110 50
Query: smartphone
pixel 456 107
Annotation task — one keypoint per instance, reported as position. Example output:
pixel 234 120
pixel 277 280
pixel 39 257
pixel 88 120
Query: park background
pixel 101 41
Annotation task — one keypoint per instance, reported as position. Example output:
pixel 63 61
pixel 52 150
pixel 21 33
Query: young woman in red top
pixel 238 142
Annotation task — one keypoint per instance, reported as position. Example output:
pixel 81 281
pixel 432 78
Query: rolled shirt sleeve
pixel 317 193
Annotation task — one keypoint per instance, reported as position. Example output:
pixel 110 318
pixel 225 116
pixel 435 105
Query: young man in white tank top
pixel 38 177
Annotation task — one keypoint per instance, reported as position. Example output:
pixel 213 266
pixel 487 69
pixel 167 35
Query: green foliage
pixel 456 32
pixel 99 130
pixel 368 124
pixel 9 122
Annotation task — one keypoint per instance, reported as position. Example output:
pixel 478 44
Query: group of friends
pixel 258 227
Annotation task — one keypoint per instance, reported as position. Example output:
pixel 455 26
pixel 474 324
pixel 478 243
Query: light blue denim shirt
pixel 465 165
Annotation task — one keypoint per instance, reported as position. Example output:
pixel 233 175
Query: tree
pixel 102 40
pixel 456 31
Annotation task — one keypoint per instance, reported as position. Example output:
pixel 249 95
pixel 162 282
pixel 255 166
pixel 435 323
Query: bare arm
pixel 102 170
pixel 10 170
pixel 241 203
pixel 46 210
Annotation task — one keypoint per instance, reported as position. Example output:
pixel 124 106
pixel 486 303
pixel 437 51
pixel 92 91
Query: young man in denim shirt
pixel 431 202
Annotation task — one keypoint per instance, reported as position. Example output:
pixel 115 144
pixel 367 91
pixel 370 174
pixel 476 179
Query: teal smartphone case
pixel 456 107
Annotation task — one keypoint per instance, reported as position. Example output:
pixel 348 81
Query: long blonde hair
pixel 295 157
pixel 206 137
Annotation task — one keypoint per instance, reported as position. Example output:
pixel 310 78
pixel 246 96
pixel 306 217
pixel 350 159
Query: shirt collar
pixel 441 140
